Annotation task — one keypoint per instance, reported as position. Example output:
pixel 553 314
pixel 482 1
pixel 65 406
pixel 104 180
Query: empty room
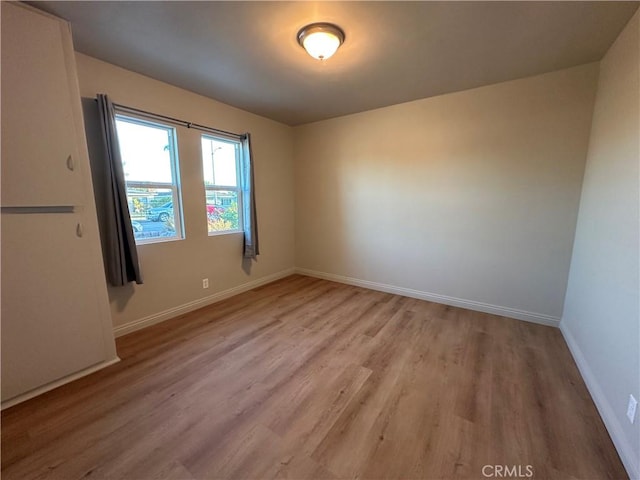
pixel 320 240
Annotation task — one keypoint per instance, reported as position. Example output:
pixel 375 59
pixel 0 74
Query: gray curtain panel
pixel 249 215
pixel 122 256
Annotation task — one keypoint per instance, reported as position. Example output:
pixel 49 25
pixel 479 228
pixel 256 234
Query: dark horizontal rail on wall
pixel 176 121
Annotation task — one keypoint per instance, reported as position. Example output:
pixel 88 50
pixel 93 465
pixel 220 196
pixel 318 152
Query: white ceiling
pixel 245 53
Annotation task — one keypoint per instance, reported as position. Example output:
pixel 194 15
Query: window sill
pixel 226 232
pixel 159 240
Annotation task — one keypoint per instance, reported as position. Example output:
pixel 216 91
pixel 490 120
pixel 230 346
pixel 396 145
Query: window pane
pixel 222 210
pixel 145 150
pixel 152 213
pixel 149 159
pixel 219 162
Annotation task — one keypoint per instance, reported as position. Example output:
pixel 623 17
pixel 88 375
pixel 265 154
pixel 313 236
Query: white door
pixel 39 153
pixel 51 324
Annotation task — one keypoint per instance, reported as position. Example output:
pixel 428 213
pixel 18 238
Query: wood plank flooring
pixel 309 379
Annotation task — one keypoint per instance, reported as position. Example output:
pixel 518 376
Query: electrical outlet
pixel 631 408
pixel 205 283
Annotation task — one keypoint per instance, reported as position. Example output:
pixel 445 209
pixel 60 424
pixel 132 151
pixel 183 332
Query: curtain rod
pixel 177 121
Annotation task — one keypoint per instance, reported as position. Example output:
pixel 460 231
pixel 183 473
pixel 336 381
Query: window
pixel 221 168
pixel 150 162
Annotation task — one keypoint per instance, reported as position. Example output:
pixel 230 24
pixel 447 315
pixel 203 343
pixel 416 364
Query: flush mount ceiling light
pixel 321 40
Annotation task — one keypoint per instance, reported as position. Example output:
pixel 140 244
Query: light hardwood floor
pixel 306 378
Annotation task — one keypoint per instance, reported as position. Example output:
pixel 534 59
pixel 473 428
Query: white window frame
pixel 174 186
pixel 226 188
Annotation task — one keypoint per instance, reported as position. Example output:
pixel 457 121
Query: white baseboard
pixel 201 302
pixel 50 386
pixel 629 460
pixel 434 297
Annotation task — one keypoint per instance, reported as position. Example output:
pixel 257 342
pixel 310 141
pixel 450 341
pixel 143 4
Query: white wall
pixel 173 271
pixel 601 320
pixel 469 198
